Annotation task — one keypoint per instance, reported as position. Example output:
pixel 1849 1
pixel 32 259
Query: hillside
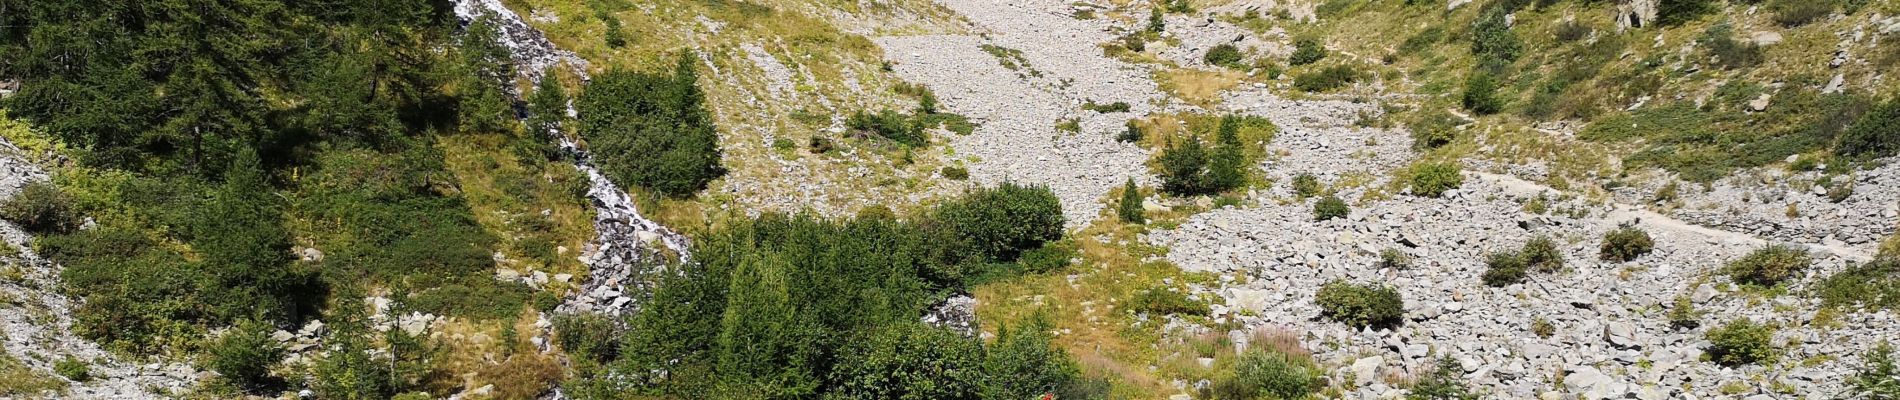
pixel 949 199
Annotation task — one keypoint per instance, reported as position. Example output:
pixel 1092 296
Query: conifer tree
pixel 1130 208
pixel 1183 167
pixel 1225 170
pixel 245 246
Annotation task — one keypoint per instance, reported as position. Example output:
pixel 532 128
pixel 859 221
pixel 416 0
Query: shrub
pixel 1131 134
pixel 1264 374
pixel 1129 210
pixel 1326 79
pixel 1492 40
pixel 909 361
pixel 1306 185
pixel 1769 265
pixel 1161 301
pixel 1878 377
pixel 1874 285
pixel 1503 268
pixel 1022 364
pixel 1306 51
pixel 891 125
pixel 73 368
pixel 1541 254
pixel 616 36
pixel 1394 259
pixel 1481 95
pixel 1445 382
pixel 1001 222
pixel 1876 134
pixel 1683 315
pixel 1543 328
pixel 819 145
pixel 1156 22
pixel 1793 13
pixel 1624 244
pixel 1432 179
pixel 1330 207
pixel 1050 257
pixel 1676 12
pixel 1184 168
pixel 41 207
pixel 955 173
pixel 1839 192
pixel 1433 129
pixel 1729 52
pixel 1571 31
pixel 245 355
pixel 587 336
pixel 652 130
pixel 1360 305
pixel 1224 55
pixel 1119 106
pixel 1742 341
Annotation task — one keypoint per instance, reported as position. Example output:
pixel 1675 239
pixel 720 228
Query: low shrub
pixel 1504 268
pixel 1741 341
pixel 888 124
pixel 1445 382
pixel 820 145
pixel 1129 135
pixel 955 173
pixel 587 336
pixel 1432 129
pixel 1224 55
pixel 1161 301
pixel 1306 185
pixel 1677 12
pixel 1624 244
pixel 1872 285
pixel 1793 13
pixel 1543 328
pixel 1432 179
pixel 1878 377
pixel 1002 222
pixel 1306 51
pixel 1480 95
pixel 1541 254
pixel 909 360
pixel 1876 134
pixel 1051 256
pixel 1119 106
pixel 1326 79
pixel 1729 52
pixel 245 355
pixel 1683 315
pixel 41 207
pixel 1394 259
pixel 1839 192
pixel 1330 207
pixel 1129 210
pixel 1360 306
pixel 1571 31
pixel 1264 374
pixel 1769 265
pixel 73 369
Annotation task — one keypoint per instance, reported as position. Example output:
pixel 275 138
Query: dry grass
pixel 20 381
pixel 1199 87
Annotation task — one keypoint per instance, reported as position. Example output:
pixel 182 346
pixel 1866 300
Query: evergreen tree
pixel 347 371
pixel 245 246
pixel 547 107
pixel 1226 168
pixel 245 355
pixel 1130 208
pixel 1023 364
pixel 651 130
pixel 1157 20
pixel 1183 167
pixel 483 97
pixel 762 339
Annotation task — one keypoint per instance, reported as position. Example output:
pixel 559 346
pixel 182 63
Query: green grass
pixel 18 380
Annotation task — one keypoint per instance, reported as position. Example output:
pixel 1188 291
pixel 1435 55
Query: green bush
pixel 1839 192
pixel 1262 374
pixel 1684 316
pixel 1624 244
pixel 245 355
pixel 652 130
pixel 1793 13
pixel 1433 128
pixel 1729 52
pixel 1480 95
pixel 1360 306
pixel 1162 301
pixel 1504 267
pixel 1119 106
pixel 1052 256
pixel 1769 265
pixel 1306 51
pixel 1543 328
pixel 1874 285
pixel 1445 382
pixel 955 173
pixel 1432 179
pixel 1571 31
pixel 1129 209
pixel 1001 222
pixel 1306 185
pixel 1878 377
pixel 891 125
pixel 73 369
pixel 1492 40
pixel 1184 168
pixel 909 361
pixel 1022 364
pixel 1541 254
pixel 616 36
pixel 1224 55
pixel 1677 12
pixel 1326 79
pixel 1330 207
pixel 1876 134
pixel 1129 135
pixel 41 207
pixel 1394 259
pixel 587 336
pixel 1741 341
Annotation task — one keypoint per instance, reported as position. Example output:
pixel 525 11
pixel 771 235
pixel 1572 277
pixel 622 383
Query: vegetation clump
pixel 1432 179
pixel 1190 169
pixel 41 207
pixel 1446 381
pixel 652 130
pixel 245 355
pixel 1259 374
pixel 1872 285
pixel 1683 315
pixel 73 369
pixel 1224 55
pixel 1503 268
pixel 1741 341
pixel 1129 209
pixel 1875 134
pixel 1878 377
pixel 1306 185
pixel 1330 207
pixel 1394 258
pixel 1624 244
pixel 1327 79
pixel 1360 306
pixel 1163 301
pixel 1306 51
pixel 1769 265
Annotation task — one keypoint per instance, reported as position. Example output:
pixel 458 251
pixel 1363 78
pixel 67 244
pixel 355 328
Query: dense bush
pixel 1330 207
pixel 245 355
pixel 1541 254
pixel 1360 306
pixel 1446 381
pixel 1130 134
pixel 1492 40
pixel 1571 31
pixel 1326 79
pixel 1022 364
pixel 1262 374
pixel 1504 267
pixel 1162 301
pixel 1683 315
pixel 1306 51
pixel 1432 179
pixel 73 369
pixel 1394 259
pixel 1480 95
pixel 1624 244
pixel 586 336
pixel 1224 55
pixel 652 130
pixel 1000 223
pixel 1874 285
pixel 909 361
pixel 1876 134
pixel 1119 106
pixel 955 173
pixel 41 207
pixel 1129 209
pixel 1741 341
pixel 1306 185
pixel 1184 168
pixel 1051 256
pixel 1434 128
pixel 1769 265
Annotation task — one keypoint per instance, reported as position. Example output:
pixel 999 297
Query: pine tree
pixel 762 336
pixel 1184 167
pixel 245 246
pixel 547 114
pixel 1226 169
pixel 1130 208
pixel 482 98
pixel 1156 20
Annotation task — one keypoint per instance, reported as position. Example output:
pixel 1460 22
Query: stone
pixel 1760 103
pixel 1366 370
pixel 1765 38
